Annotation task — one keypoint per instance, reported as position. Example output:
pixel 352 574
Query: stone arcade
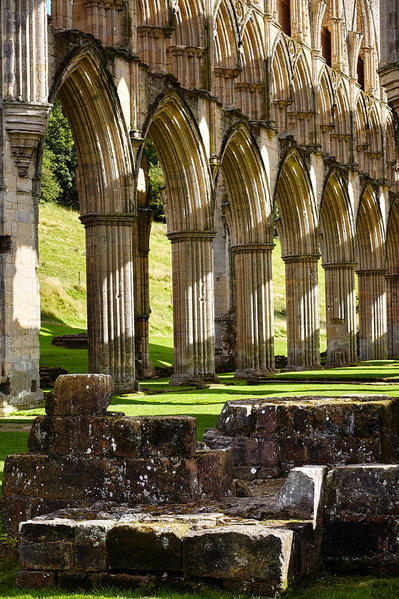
pixel 251 105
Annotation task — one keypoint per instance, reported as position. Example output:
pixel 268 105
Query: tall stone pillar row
pixel 372 314
pixel 341 314
pixel 193 307
pixel 24 112
pixel 392 286
pixel 142 310
pixel 303 320
pixel 110 297
pixel 254 305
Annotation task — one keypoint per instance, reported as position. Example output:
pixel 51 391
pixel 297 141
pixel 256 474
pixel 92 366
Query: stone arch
pixel 371 274
pixel 105 180
pixel 360 131
pixel 248 216
pixel 226 53
pixel 374 138
pixel 367 53
pixel 187 45
pixel 281 81
pixel 326 111
pixel 341 136
pixel 153 31
pixel 337 242
pixel 392 280
pixel 301 113
pixel 297 230
pixel 190 221
pixel 251 82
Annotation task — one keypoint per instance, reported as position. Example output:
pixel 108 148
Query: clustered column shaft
pixel 142 308
pixel 392 286
pixel 254 305
pixel 193 306
pixel 303 321
pixel 110 303
pixel 372 314
pixel 341 314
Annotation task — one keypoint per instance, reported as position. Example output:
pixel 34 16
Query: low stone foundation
pixel 270 436
pixel 78 454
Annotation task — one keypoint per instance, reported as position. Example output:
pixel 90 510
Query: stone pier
pixel 110 297
pixel 254 305
pixel 303 321
pixel 193 308
pixel 341 314
pixel 392 287
pixel 372 314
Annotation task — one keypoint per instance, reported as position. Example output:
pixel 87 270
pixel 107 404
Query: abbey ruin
pixel 265 114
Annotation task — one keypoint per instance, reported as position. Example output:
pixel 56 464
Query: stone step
pixel 177 544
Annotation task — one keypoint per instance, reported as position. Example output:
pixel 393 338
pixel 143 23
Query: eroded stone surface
pixel 80 394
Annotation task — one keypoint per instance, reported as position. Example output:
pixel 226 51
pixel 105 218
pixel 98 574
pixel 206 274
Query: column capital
pixel 115 219
pixel 371 271
pixel 301 258
pixel 252 247
pixel 393 276
pixel 177 236
pixel 338 265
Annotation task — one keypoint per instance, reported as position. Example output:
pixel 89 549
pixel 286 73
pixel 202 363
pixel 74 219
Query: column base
pixel 302 368
pixel 252 374
pixel 340 364
pixel 180 380
pixel 145 374
pixel 126 386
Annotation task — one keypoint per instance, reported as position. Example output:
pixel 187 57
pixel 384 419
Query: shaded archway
pixel 371 272
pixel 107 206
pixel 189 213
pixel 338 256
pixel 297 230
pixel 248 214
pixel 392 280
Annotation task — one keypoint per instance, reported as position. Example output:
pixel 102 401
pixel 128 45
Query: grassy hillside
pixel 62 275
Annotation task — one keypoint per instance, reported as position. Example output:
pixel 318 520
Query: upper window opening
pixel 360 72
pixel 284 15
pixel 326 45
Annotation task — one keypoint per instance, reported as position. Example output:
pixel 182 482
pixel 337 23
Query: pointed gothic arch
pixel 393 281
pixel 337 242
pixel 249 217
pixel 297 230
pixel 105 179
pixel 371 274
pixel 190 213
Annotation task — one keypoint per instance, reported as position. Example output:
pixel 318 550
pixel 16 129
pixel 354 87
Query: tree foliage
pixel 60 158
pixel 156 182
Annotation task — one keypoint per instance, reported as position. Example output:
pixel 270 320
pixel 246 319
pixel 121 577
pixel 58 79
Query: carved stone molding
pixel 25 125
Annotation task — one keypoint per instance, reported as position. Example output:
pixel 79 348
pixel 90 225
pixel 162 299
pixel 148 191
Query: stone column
pixel 392 286
pixel 142 310
pixel 254 304
pixel 372 314
pixel 193 307
pixel 110 297
pixel 341 314
pixel 303 320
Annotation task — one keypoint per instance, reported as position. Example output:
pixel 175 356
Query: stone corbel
pixel 25 125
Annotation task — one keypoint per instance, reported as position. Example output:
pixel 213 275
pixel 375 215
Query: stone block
pixel 214 473
pixel 51 531
pixel 90 546
pixel 169 436
pixel 239 553
pixel 302 494
pixel 236 418
pixel 80 394
pixel 146 547
pixel 126 437
pixel 31 579
pixel 47 555
pixel 266 421
pixel 165 480
pixel 14 509
pixel 20 475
